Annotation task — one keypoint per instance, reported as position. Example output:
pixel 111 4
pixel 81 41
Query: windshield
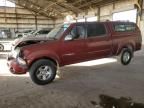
pixel 32 32
pixel 27 31
pixel 57 31
pixel 35 32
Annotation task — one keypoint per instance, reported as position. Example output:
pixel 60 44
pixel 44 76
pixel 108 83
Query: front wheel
pixel 43 72
pixel 1 47
pixel 126 56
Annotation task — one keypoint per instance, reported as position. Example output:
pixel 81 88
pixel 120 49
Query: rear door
pixel 74 51
pixel 99 42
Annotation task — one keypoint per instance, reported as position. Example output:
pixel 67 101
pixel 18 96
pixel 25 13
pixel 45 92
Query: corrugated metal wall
pixel 20 18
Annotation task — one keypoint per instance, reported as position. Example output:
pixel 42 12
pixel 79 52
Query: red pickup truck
pixel 74 43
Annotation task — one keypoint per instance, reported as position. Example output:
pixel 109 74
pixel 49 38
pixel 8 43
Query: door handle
pixel 70 54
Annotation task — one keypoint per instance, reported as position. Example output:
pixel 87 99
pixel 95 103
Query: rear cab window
pixel 124 27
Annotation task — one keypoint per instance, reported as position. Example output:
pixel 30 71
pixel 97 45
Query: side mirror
pixel 68 38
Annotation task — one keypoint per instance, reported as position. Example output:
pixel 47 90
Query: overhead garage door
pixel 130 15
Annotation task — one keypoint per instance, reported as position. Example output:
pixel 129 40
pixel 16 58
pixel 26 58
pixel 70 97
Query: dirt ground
pixel 78 86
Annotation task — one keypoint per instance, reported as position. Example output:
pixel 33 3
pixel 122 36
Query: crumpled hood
pixel 26 39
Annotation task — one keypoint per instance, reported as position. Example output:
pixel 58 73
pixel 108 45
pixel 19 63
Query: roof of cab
pixel 128 22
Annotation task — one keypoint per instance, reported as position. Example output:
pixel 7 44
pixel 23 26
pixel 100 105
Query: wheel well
pixel 54 61
pixel 131 47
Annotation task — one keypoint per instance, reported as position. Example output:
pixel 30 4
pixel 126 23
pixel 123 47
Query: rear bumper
pixel 16 68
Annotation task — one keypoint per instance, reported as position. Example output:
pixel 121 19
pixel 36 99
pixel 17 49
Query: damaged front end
pixel 15 60
pixel 17 45
pixel 25 43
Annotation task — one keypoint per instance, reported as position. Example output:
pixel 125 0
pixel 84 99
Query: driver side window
pixel 78 32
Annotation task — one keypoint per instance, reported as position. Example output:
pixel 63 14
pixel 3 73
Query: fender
pixel 129 44
pixel 44 54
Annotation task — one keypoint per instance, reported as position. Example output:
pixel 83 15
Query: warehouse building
pixel 79 85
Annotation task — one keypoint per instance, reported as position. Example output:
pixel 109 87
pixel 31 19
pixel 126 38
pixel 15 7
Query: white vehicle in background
pixel 5 41
pixel 31 38
pixel 33 33
pixel 5 45
pixel 1 47
pixel 24 33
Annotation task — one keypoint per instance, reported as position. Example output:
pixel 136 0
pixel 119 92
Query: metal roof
pixel 59 8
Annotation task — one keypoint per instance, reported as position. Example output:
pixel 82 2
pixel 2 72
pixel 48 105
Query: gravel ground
pixel 78 86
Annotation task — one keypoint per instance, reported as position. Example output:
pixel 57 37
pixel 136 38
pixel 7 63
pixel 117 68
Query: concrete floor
pixel 77 86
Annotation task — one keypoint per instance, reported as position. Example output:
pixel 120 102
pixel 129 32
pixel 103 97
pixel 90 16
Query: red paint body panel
pixel 75 51
pixel 16 68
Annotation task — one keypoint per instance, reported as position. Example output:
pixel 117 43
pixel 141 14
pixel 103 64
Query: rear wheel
pixel 126 56
pixel 1 47
pixel 43 72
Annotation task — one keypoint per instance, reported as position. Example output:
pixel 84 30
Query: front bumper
pixel 15 67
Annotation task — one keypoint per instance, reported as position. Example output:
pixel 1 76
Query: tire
pixel 43 72
pixel 126 56
pixel 1 47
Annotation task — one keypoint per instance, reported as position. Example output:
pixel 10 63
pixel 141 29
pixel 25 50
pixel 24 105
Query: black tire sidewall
pixel 36 66
pixel 122 55
pixel 1 47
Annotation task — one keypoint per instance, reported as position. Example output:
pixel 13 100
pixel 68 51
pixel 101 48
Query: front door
pixel 74 49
